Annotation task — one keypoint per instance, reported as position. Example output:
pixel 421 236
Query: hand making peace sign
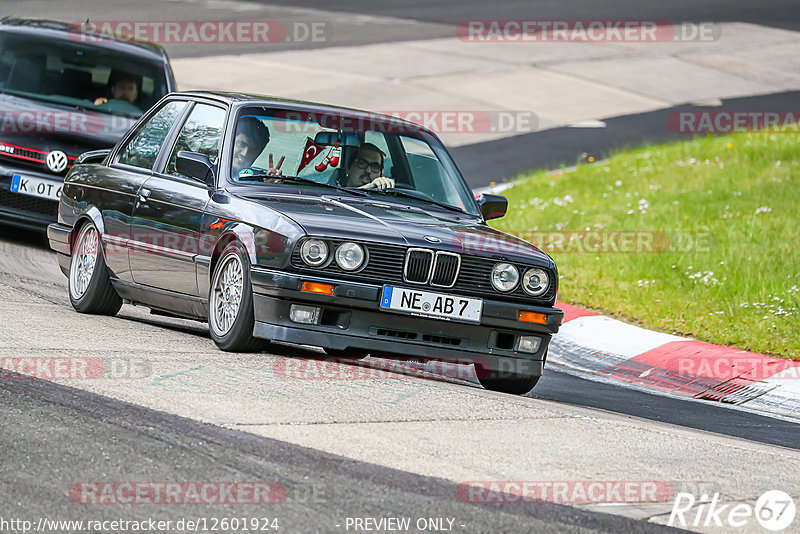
pixel 275 169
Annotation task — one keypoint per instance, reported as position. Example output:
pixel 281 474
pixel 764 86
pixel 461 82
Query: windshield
pixel 79 75
pixel 347 150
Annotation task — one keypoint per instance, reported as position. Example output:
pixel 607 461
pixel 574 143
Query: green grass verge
pixel 723 218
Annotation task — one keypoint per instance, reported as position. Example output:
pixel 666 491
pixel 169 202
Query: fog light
pixel 304 314
pixel 528 344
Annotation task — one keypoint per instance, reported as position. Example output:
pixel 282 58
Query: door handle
pixel 144 194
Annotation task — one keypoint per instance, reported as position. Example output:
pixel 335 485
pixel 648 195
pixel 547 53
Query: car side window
pixel 142 150
pixel 201 133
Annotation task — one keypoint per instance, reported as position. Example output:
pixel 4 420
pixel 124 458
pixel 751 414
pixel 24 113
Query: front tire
pixel 230 302
pixel 508 382
pixel 90 289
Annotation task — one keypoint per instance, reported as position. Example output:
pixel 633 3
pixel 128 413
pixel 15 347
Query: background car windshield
pixel 76 74
pixel 324 147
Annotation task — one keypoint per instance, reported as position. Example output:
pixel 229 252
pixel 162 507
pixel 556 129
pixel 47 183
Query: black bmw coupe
pixel 276 220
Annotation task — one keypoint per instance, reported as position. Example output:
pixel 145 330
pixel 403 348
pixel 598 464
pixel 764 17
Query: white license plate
pixel 433 305
pixel 36 187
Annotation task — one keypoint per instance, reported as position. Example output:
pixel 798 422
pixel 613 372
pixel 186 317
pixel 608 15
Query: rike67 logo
pixel 774 510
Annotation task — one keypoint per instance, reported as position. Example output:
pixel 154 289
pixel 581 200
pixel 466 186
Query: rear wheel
pixel 90 289
pixel 230 302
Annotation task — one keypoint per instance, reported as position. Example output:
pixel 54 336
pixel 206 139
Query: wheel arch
pixel 93 215
pixel 242 233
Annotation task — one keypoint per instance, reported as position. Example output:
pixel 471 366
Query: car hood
pixel 395 224
pixel 32 128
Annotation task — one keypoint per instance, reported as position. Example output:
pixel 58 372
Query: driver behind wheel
pixel 365 168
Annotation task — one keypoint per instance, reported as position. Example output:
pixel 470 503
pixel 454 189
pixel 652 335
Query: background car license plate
pixel 434 305
pixel 36 187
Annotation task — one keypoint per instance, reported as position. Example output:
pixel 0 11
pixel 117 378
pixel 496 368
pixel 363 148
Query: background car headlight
pixel 349 256
pixel 505 277
pixel 535 282
pixel 314 252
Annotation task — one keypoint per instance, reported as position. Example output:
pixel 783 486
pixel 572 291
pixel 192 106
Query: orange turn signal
pixel 532 317
pixel 317 287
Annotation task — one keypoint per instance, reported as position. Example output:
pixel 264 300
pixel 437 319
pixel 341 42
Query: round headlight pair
pixel 349 256
pixel 505 277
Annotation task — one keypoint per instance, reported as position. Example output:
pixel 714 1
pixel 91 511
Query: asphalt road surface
pixel 354 22
pixel 393 446
pixel 777 13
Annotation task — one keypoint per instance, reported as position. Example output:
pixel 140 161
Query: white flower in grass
pixel 705 277
pixel 763 209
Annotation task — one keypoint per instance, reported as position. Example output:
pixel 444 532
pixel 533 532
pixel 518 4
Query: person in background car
pixel 365 168
pixel 121 86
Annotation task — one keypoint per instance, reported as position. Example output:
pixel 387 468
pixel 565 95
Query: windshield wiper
pixel 405 194
pixel 303 180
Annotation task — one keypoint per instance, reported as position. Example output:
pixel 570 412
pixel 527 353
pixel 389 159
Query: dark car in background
pixel 188 215
pixel 56 103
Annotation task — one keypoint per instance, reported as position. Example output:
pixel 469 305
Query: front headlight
pixel 349 256
pixel 505 277
pixel 314 252
pixel 535 282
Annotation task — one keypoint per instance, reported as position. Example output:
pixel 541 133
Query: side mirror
pixel 492 206
pixel 195 165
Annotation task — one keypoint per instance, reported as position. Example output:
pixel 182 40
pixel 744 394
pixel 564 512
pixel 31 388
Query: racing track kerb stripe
pixel 674 364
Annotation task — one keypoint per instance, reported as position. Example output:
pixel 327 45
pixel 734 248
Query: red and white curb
pixel 593 343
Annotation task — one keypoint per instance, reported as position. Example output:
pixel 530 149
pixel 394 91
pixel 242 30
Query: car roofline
pixel 61 31
pixel 243 99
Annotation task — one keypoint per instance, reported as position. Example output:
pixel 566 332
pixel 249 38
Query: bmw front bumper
pixel 352 319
